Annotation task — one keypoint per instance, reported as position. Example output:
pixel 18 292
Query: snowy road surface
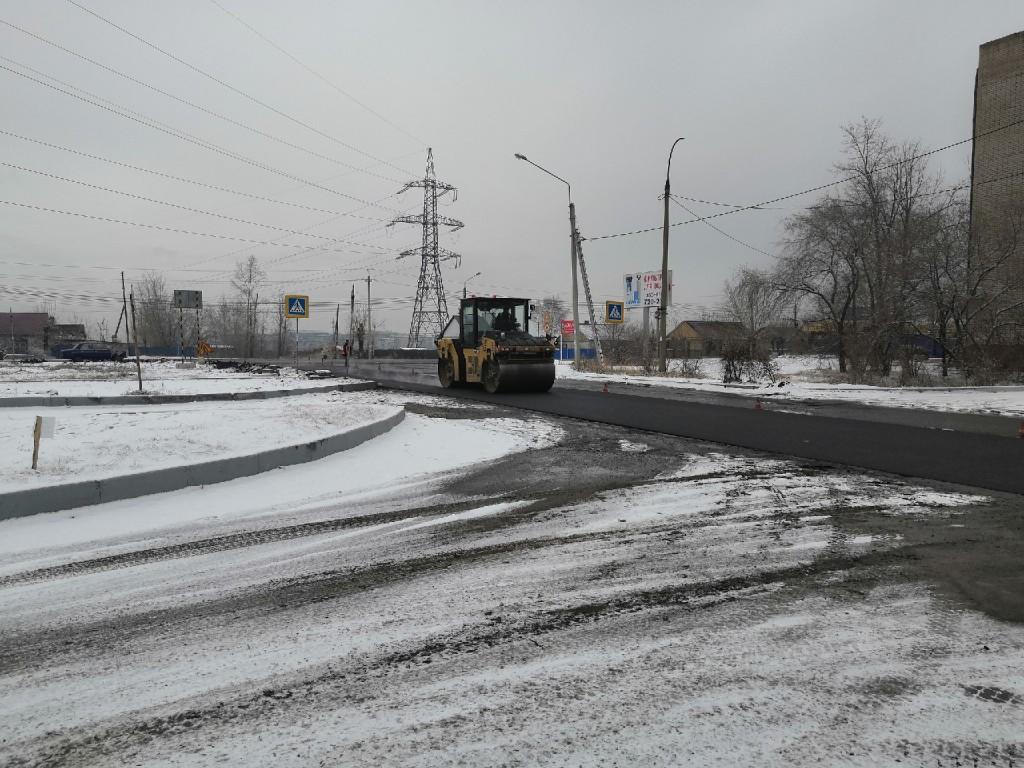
pixel 500 591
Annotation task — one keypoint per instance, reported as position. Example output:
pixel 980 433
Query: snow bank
pixel 64 379
pixel 411 459
pixel 1005 401
pixel 96 442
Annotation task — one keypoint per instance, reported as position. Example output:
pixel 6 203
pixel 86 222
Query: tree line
pixel 890 257
pixel 247 321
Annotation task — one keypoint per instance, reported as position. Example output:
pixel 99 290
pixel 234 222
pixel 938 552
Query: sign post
pixel 642 290
pixel 296 305
pixel 568 329
pixel 187 300
pixel 44 427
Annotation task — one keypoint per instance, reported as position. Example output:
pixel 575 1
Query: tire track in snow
pixel 87 744
pixel 238 541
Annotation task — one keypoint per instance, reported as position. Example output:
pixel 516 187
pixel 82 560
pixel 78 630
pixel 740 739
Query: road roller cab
pixel 489 343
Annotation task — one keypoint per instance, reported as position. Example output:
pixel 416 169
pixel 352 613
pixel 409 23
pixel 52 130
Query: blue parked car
pixel 87 351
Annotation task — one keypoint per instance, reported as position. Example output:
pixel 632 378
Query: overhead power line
pixel 142 225
pixel 316 74
pixel 719 231
pixel 818 188
pixel 190 209
pixel 182 135
pixel 230 87
pixel 198 107
pixel 947 190
pixel 204 185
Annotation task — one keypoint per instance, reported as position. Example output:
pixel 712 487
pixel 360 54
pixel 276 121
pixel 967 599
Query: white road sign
pixel 643 289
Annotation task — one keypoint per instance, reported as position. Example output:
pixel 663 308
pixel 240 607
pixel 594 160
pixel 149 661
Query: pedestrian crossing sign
pixel 614 312
pixel 296 305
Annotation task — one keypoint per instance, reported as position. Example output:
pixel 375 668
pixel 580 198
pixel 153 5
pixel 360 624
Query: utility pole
pixel 574 237
pixel 369 321
pixel 646 343
pixel 430 311
pixel 663 309
pixel 574 241
pixel 135 333
pixel 590 300
pixel 352 317
pixel 337 317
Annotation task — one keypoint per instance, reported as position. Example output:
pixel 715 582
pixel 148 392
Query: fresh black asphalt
pixel 966 458
pixel 872 438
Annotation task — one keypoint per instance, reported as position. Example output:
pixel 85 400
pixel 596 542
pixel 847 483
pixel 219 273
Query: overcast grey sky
pixel 595 91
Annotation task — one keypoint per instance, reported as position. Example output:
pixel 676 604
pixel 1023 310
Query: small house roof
pixel 24 324
pixel 711 329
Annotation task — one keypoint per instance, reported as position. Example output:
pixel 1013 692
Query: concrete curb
pixel 55 402
pixel 35 501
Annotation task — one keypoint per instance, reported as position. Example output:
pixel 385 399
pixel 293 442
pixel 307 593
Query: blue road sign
pixel 296 305
pixel 614 311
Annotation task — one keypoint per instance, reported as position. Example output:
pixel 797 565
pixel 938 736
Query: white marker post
pixel 44 427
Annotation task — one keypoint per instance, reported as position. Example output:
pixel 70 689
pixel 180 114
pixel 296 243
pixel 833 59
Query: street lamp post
pixel 464 282
pixel 663 309
pixel 573 247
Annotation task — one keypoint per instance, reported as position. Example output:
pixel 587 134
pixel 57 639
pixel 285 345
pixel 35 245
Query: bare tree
pixel 156 318
pixel 552 310
pixel 989 314
pixel 821 262
pixel 247 280
pixel 755 299
pixel 861 256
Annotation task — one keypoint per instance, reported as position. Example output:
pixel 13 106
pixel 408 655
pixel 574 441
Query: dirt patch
pixel 973 555
pixel 442 412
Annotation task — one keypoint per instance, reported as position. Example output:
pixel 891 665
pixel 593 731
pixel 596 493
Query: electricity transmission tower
pixel 430 312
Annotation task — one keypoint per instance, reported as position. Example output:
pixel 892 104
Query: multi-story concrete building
pixel 997 167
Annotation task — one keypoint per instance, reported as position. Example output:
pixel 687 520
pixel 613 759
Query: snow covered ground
pixel 64 379
pixel 411 458
pixel 474 590
pixel 104 441
pixel 799 372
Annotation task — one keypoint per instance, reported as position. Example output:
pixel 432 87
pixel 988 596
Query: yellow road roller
pixel 489 343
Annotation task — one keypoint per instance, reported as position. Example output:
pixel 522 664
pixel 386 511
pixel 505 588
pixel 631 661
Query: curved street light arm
pixel 549 173
pixel 668 169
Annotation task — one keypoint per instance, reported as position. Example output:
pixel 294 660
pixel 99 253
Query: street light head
pixel 520 157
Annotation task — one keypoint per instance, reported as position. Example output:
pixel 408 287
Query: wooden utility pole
pixel 352 317
pixel 337 319
pixel 369 321
pixel 135 334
